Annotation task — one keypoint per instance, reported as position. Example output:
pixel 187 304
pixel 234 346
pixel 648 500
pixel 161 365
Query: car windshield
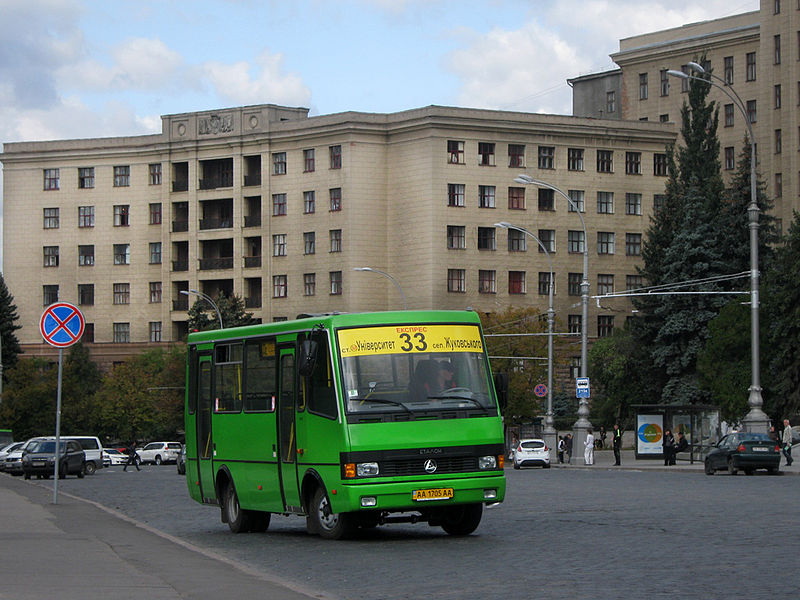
pixel 46 447
pixel 414 368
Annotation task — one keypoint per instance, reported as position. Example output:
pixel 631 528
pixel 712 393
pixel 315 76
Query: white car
pixel 112 456
pixel 532 453
pixel 159 452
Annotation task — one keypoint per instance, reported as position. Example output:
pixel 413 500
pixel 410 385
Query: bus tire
pixel 239 520
pixel 462 519
pixel 259 521
pixel 328 524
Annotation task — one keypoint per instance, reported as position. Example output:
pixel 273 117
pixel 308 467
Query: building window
pixel 516 155
pixel 548 239
pixel 778 185
pixel 516 282
pixel 486 154
pixel 486 196
pixel 729 115
pixel 777 42
pixel 664 82
pixel 155 213
pixel 575 241
pixel 122 293
pixel 155 173
pixel 51 218
pixel 51 179
pixel 336 283
pixel 122 254
pixel 335 153
pixel 633 204
pixel 777 7
pixel 605 325
pixel 122 333
pixel 278 205
pixel 86 178
pixel 336 199
pixel 544 283
pixel 633 282
pixel 575 159
pixel 546 199
pixel 577 204
pixel 456 237
pixel 663 118
pixel 752 113
pixel 309 284
pixel 633 163
pixel 777 96
pixel 155 331
pixel 50 256
pixel 605 284
pixel 309 202
pixel 279 163
pixel 309 242
pixel 308 160
pixel 122 176
pixel 86 294
pixel 546 157
pixel 574 284
pixel 122 215
pixel 455 280
pixel 455 152
pixel 279 244
pixel 85 256
pixel 611 102
pixel 155 253
pixel 487 282
pixel 642 86
pixel 517 241
pixel 605 242
pixel 49 294
pixel 279 286
pixel 605 203
pixel 728 69
pixel 455 194
pixel 658 202
pixel 633 244
pixel 86 216
pixel 516 198
pixel 750 69
pixel 685 82
pixel 605 161
pixel 778 141
pixel 155 292
pixel 574 323
pixel 336 240
pixel 486 238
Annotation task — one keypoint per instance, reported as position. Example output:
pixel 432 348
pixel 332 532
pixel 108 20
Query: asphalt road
pixel 562 533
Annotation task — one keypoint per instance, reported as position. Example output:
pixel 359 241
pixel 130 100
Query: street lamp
pixel 755 420
pixel 208 299
pixel 392 279
pixel 549 430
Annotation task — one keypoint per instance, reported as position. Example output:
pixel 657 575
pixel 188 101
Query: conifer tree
pixel 8 325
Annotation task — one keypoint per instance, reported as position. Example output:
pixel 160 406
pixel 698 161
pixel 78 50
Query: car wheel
pixel 158 460
pixel 516 466
pixel 239 520
pixel 82 472
pixel 325 522
pixel 731 467
pixel 772 470
pixel 748 471
pixel 27 475
pixel 462 519
pixel 90 468
pixel 62 471
pixel 708 468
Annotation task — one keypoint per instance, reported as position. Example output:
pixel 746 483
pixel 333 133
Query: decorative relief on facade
pixel 214 124
pixel 253 121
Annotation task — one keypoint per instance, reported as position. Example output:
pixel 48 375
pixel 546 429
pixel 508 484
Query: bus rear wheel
pixel 239 521
pixel 325 522
pixel 462 519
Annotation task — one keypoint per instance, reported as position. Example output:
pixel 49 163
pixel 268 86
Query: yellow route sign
pixel 401 339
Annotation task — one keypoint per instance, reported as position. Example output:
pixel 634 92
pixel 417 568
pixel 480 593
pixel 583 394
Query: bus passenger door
pixel 205 444
pixel 287 430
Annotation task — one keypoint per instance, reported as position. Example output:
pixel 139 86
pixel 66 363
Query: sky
pixel 103 68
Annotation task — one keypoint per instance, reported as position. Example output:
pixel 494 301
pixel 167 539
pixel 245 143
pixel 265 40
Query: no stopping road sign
pixel 61 324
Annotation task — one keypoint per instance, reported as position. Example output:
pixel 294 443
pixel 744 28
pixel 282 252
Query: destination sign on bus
pixel 400 339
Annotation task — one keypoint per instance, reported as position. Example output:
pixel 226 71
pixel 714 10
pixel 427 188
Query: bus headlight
pixel 487 462
pixel 367 469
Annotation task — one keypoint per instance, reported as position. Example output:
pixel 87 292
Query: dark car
pixel 744 451
pixel 39 459
pixel 181 462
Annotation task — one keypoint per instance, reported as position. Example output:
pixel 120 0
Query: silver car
pixel 159 452
pixel 531 453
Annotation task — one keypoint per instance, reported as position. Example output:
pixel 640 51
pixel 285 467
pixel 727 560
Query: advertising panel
pixel 649 434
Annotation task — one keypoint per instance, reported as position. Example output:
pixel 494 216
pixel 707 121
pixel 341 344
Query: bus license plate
pixel 434 494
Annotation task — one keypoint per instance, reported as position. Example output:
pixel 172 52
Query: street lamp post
pixel 208 299
pixel 389 277
pixel 582 424
pixel 549 431
pixel 756 419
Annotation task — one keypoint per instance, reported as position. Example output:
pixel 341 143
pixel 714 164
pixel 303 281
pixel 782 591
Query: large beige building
pixel 279 208
pixel 756 53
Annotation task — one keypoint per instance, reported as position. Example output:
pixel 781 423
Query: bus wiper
pixel 457 399
pixel 382 401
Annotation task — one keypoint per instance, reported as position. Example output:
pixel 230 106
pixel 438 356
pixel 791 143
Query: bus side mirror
pixel 308 357
pixel 501 388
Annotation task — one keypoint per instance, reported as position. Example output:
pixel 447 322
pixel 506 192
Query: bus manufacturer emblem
pixel 430 466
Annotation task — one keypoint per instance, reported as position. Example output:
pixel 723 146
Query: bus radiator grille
pixel 450 464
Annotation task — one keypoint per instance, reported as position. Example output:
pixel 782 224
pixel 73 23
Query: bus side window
pixel 228 381
pixel 260 377
pixel 320 388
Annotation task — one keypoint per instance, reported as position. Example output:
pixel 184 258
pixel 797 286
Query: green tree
pixel 29 399
pixel 8 325
pixel 80 380
pixel 203 317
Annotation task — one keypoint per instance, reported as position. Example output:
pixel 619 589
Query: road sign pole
pixel 58 428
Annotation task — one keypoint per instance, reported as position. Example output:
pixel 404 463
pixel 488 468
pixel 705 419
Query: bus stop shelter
pixel 698 422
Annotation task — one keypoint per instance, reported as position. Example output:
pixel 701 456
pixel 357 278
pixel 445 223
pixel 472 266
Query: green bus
pixel 350 420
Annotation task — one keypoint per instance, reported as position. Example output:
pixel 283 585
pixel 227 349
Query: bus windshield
pixel 414 368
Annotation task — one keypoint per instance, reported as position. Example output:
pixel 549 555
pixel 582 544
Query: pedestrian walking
pixel 787 442
pixel 588 448
pixel 561 446
pixel 131 457
pixel 568 447
pixel 669 447
pixel 617 443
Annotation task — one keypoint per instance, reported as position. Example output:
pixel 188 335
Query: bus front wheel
pixel 462 519
pixel 325 522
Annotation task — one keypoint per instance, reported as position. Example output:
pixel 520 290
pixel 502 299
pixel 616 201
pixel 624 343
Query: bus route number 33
pixel 419 344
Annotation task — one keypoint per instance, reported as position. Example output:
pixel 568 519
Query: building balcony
pixel 254 302
pixel 216 223
pixel 181 303
pixel 210 264
pixel 180 265
pixel 179 226
pixel 212 183
pixel 252 180
pixel 252 262
pixel 180 186
pixel 252 221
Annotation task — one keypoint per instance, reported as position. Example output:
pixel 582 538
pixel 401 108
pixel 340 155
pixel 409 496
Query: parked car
pixel 744 451
pixel 181 462
pixel 531 453
pixel 40 459
pixel 8 449
pixel 91 446
pixel 159 452
pixel 13 462
pixel 112 456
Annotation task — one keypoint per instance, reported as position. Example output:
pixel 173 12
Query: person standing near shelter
pixel 131 457
pixel 561 446
pixel 588 450
pixel 617 444
pixel 568 447
pixel 787 442
pixel 669 447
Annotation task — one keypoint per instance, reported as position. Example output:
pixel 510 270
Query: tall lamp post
pixel 549 430
pixel 582 424
pixel 756 420
pixel 389 277
pixel 208 299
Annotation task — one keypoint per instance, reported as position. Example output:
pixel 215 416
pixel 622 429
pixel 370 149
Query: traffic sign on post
pixel 540 390
pixel 582 385
pixel 62 324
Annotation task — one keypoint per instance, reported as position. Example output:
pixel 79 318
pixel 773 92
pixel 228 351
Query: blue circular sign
pixel 61 325
pixel 540 390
